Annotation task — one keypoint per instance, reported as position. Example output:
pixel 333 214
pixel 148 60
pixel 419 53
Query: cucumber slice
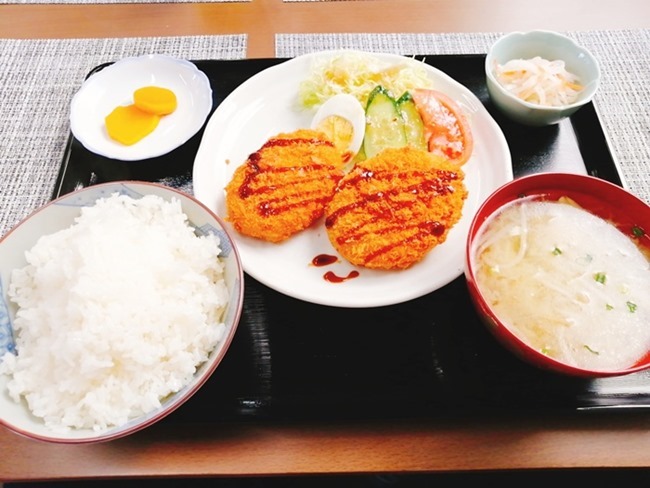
pixel 384 123
pixel 413 125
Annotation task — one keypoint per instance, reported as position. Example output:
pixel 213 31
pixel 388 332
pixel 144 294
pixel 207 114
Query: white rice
pixel 115 313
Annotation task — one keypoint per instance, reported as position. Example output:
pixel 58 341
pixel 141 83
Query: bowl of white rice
pixel 119 301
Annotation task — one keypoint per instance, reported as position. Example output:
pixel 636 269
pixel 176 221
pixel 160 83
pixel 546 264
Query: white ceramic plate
pixel 265 105
pixel 114 85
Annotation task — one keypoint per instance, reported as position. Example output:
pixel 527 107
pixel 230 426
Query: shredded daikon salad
pixel 358 74
pixel 539 81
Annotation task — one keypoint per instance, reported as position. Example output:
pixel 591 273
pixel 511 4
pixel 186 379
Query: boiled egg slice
pixel 342 119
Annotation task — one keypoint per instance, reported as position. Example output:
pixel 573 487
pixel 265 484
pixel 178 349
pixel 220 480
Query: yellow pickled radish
pixel 128 124
pixel 155 100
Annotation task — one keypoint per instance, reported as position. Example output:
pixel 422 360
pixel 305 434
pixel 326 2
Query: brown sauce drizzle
pixel 303 174
pixel 294 141
pixel 334 278
pixel 425 228
pixel 429 185
pixel 324 260
pixel 428 188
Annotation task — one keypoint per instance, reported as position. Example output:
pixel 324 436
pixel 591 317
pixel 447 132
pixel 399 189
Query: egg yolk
pixel 155 100
pixel 131 123
pixel 128 124
pixel 339 130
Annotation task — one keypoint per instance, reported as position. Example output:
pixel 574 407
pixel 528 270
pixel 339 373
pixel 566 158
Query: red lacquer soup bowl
pixel 557 269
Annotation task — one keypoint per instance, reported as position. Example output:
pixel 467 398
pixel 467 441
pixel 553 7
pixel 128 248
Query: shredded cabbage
pixel 539 81
pixel 358 74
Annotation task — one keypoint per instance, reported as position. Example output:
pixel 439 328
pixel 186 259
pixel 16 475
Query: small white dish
pixel 114 85
pixel 548 45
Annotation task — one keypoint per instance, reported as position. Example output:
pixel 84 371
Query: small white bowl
pixel 60 214
pixel 114 85
pixel 548 45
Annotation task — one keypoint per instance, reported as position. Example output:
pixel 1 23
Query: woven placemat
pixel 622 101
pixel 37 81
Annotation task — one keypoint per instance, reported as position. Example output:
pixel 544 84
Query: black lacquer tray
pixel 291 359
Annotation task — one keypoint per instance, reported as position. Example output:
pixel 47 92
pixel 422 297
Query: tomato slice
pixel 446 128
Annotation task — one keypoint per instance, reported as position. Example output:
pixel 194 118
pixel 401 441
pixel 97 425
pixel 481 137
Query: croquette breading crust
pixel 284 186
pixel 392 209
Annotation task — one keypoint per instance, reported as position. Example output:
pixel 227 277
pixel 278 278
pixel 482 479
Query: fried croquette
pixel 283 187
pixel 392 209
